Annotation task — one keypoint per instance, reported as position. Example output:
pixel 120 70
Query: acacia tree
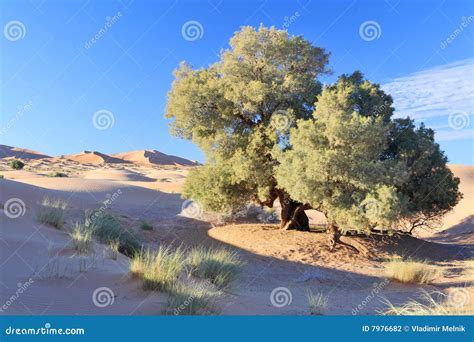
pixel 240 109
pixel 362 169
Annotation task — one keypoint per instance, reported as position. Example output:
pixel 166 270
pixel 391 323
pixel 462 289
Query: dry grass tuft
pixel 434 303
pixel 192 298
pixel 81 239
pixel 51 211
pixel 317 302
pixel 220 266
pixel 411 271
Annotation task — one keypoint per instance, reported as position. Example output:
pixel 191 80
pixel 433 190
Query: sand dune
pixel 93 157
pixel 150 157
pixel 22 153
pixel 117 175
pixel 139 157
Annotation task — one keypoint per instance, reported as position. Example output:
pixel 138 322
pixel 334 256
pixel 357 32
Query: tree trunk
pixel 293 215
pixel 333 237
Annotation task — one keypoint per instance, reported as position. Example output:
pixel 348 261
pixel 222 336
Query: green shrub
pixel 17 164
pixel 51 211
pixel 57 174
pixel 108 228
pixel 220 266
pixel 81 239
pixel 145 225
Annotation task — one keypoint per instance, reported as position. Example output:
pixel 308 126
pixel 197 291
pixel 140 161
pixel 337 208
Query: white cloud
pixel 450 135
pixel 432 95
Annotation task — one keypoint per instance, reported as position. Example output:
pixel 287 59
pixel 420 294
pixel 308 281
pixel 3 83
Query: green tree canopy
pixel 270 132
pixel 240 108
pixel 362 169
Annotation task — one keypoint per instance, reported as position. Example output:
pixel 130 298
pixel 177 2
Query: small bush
pixel 108 228
pixel 191 299
pixel 81 239
pixel 411 271
pixel 317 303
pixel 145 225
pixel 57 174
pixel 2 176
pixel 431 304
pixel 220 266
pixel 51 211
pixel 16 164
pixel 164 269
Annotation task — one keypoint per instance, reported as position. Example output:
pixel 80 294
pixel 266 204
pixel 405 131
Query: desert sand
pixel 148 184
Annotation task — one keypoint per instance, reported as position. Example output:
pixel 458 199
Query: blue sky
pixel 54 77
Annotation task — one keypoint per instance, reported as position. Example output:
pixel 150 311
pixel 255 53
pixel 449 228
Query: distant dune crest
pixel 141 157
pixel 149 157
